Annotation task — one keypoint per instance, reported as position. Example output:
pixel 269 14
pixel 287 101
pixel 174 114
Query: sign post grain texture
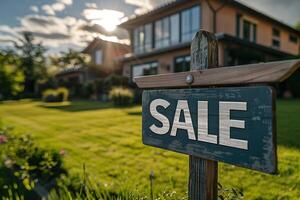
pixel 203 174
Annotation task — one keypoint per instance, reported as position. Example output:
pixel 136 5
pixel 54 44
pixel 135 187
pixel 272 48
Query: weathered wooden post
pixel 209 119
pixel 203 173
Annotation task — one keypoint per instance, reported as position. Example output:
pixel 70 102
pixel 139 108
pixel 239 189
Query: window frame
pixel 293 39
pixel 181 56
pixel 145 63
pixel 97 58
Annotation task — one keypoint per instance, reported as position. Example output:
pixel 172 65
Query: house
pixel 104 61
pixel 161 38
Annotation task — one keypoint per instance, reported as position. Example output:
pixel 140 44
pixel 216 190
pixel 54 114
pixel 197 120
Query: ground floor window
pixel 182 63
pixel 144 69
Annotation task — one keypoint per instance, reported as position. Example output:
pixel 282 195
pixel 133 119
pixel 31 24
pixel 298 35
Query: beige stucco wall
pixel 226 23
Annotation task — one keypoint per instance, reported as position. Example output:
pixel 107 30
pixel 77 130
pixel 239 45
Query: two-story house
pixel 104 56
pixel 161 38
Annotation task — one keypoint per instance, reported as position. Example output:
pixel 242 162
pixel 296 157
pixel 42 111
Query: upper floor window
pixel 142 38
pixel 276 32
pixel 293 39
pixel 246 29
pixel 98 57
pixel 170 30
pixel 167 31
pixel 276 37
pixel 190 23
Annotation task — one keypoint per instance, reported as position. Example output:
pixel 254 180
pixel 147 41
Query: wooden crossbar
pixel 271 72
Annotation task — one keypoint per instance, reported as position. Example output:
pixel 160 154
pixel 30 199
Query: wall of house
pixel 166 61
pixel 226 23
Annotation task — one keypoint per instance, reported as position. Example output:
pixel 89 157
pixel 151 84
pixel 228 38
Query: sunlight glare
pixel 108 19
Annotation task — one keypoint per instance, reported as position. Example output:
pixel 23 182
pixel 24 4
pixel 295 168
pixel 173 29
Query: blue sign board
pixel 232 125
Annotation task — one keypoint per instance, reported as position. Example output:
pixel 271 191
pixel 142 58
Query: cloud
pixel 91 5
pixel 58 6
pixel 34 9
pixel 142 5
pixel 108 19
pixel 58 33
pixel 48 9
pixel 66 2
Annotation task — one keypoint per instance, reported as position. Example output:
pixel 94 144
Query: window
pixel 170 30
pixel 276 32
pixel 167 31
pixel 182 64
pixel 293 39
pixel 162 33
pixel 142 38
pixel 276 38
pixel 174 22
pixel 245 28
pixel 190 23
pixel 144 69
pixel 276 43
pixel 98 57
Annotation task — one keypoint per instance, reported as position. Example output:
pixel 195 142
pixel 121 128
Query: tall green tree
pixel 11 78
pixel 32 61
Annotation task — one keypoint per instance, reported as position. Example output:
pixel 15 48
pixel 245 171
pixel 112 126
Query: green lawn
pixel 108 141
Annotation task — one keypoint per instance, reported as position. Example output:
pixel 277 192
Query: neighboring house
pixel 161 38
pixel 104 61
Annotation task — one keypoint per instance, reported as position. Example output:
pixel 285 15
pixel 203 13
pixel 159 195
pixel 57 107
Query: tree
pixel 297 26
pixel 70 58
pixel 11 79
pixel 32 61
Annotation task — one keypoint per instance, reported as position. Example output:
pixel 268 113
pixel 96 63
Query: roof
pixel 236 3
pixel 228 38
pixel 97 41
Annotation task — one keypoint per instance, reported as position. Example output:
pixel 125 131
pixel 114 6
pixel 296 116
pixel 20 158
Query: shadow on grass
pixel 137 113
pixel 77 106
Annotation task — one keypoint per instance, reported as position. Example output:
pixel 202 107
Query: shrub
pixel 115 81
pixel 56 95
pixel 121 96
pixel 25 166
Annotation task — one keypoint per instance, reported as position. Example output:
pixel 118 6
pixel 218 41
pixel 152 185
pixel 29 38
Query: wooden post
pixel 203 173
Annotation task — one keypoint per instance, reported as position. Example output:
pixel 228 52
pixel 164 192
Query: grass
pixel 108 141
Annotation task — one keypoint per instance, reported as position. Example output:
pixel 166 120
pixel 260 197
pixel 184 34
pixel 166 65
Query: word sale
pixel 225 122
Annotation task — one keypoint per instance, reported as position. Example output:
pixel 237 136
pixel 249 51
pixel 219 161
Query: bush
pixel 56 95
pixel 121 96
pixel 24 166
pixel 115 81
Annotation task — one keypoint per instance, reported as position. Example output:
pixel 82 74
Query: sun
pixel 108 19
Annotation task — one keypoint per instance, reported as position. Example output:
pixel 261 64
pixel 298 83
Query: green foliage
pixel 11 79
pixel 121 96
pixel 297 26
pixel 32 61
pixel 70 58
pixel 24 165
pixel 115 80
pixel 56 95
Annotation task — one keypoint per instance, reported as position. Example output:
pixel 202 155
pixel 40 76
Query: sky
pixel 64 24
